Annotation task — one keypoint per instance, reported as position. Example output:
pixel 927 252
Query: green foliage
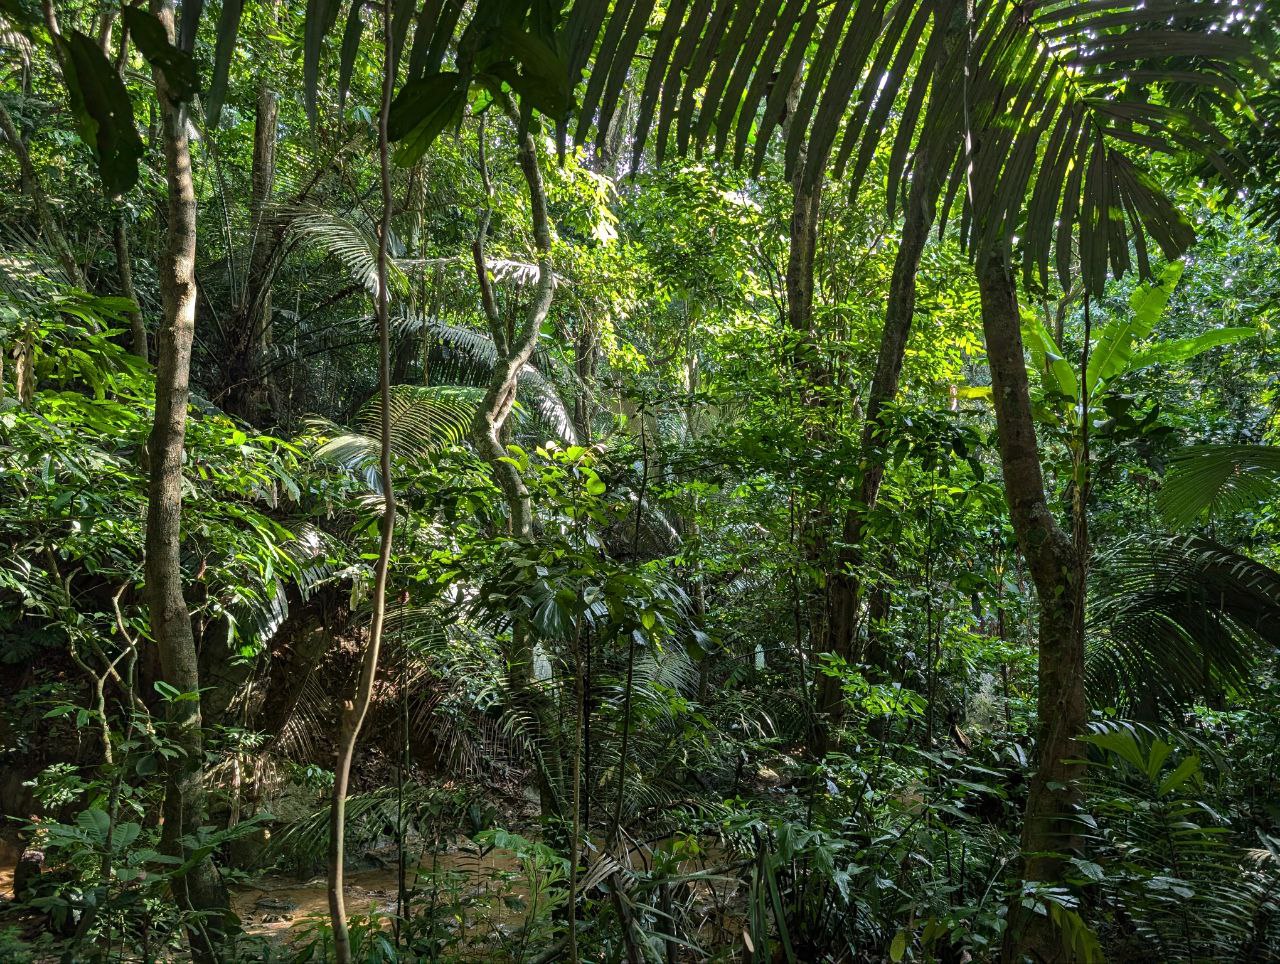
pixel 693 448
pixel 1163 864
pixel 1175 620
pixel 1218 481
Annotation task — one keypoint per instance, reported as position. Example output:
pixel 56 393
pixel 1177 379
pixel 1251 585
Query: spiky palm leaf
pixel 423 419
pixel 1176 618
pixel 466 357
pixel 349 240
pixel 504 270
pixel 1218 480
pixel 372 818
pixel 1034 108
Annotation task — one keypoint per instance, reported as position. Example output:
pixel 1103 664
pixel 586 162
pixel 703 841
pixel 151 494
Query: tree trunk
pixel 354 711
pixel 200 891
pixel 846 580
pixel 248 394
pixel 49 227
pixel 514 349
pixel 124 266
pixel 1057 572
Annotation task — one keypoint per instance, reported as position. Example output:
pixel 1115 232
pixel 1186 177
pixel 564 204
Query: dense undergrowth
pixel 782 481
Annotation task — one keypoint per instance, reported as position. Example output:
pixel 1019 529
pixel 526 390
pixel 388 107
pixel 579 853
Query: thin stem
pixel 353 713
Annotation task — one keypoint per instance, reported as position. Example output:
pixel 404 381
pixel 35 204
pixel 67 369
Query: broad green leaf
pixel 898 949
pixel 1059 375
pixel 177 66
pixel 1111 354
pixel 542 76
pixel 1121 743
pixel 95 823
pixel 1177 350
pixel 423 108
pixel 103 111
pixel 1188 768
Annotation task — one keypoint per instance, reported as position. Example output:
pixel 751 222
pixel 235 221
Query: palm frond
pixel 412 811
pixel 1176 618
pixel 349 240
pixel 1218 480
pixel 423 420
pixel 1036 108
pixel 522 274
pixel 466 357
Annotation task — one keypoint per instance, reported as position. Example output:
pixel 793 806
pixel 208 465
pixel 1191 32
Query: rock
pixel 275 903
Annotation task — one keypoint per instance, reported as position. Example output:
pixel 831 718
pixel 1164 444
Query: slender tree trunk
pixel 515 348
pixel 124 266
pixel 846 583
pixel 49 227
pixel 200 890
pixel 806 209
pixel 586 355
pixel 353 712
pixel 248 394
pixel 846 589
pixel 1057 572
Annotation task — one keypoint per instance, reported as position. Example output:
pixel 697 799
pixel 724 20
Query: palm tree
pixel 1029 119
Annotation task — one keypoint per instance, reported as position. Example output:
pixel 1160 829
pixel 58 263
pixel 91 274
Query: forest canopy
pixel 619 480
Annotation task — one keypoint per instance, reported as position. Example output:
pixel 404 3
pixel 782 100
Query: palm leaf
pixel 423 420
pixel 1219 480
pixel 1174 619
pixel 467 357
pixel 350 241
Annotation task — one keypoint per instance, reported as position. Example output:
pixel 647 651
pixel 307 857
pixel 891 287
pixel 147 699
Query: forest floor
pixel 484 899
pixel 283 909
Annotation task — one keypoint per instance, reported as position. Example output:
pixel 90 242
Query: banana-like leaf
pixel 1048 358
pixel 1112 354
pixel 1176 350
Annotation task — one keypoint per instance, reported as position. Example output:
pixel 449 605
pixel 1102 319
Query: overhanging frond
pixel 1177 618
pixel 1219 480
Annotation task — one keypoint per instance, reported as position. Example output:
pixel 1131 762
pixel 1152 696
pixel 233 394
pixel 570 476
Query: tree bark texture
pixel 200 890
pixel 1056 570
